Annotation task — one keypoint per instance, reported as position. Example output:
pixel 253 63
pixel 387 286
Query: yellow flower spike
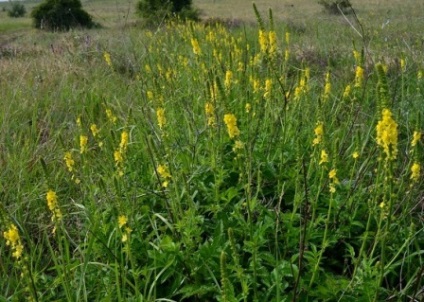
pixel 319 133
pixel 415 138
pixel 346 92
pixel 110 116
pixel 107 58
pixel 53 206
pixel 14 241
pixel 263 41
pixel 268 88
pixel 272 38
pixel 78 121
pixel 333 176
pixel 415 172
pixel 69 161
pixel 210 114
pixel 287 37
pixel 119 159
pixel 124 141
pixel 323 157
pixel 164 173
pixel 160 115
pixel 228 79
pixel 196 47
pixel 359 77
pixel 387 134
pixel 402 65
pixel 230 121
pixel 94 130
pixel 83 143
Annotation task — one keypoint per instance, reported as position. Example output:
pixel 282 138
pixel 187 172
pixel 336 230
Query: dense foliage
pixel 157 10
pixel 17 10
pixel 206 163
pixel 60 15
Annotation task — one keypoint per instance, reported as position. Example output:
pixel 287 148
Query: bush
pixel 17 10
pixel 61 15
pixel 154 10
pixel 336 6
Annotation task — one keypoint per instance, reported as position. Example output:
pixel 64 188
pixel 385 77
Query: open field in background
pixel 196 163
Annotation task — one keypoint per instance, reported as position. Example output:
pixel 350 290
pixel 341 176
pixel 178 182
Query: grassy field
pixel 277 159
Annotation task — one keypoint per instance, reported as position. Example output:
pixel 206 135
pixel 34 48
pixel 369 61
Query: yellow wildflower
pixel 268 87
pixel 415 172
pixel 420 74
pixel 333 176
pixel 196 47
pixel 272 37
pixel 286 55
pixel 324 157
pixel 122 220
pixel 357 56
pixel 387 134
pixel 78 121
pixel 149 95
pixel 124 141
pixel 14 241
pixel 110 116
pixel 164 173
pixel 319 133
pixel 287 37
pixel 228 79
pixel 210 114
pixel 359 76
pixel 415 138
pixel 69 161
pixel 106 56
pixel 402 65
pixel 347 91
pixel 119 159
pixel 83 143
pixel 238 145
pixel 355 155
pixel 52 204
pixel 94 130
pixel 263 41
pixel 248 107
pixel 231 121
pixel 327 87
pixel 160 115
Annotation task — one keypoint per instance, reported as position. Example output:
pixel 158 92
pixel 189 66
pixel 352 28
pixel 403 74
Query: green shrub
pixel 336 6
pixel 60 15
pixel 156 10
pixel 17 10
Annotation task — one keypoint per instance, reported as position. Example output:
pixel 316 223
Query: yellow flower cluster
pixel 415 172
pixel 14 241
pixel 228 79
pixel 164 173
pixel 359 77
pixel 160 115
pixel 324 157
pixel 83 143
pixel 196 47
pixel 268 42
pixel 387 134
pixel 110 116
pixel 327 87
pixel 122 223
pixel 230 121
pixel 210 114
pixel 319 133
pixel 107 58
pixel 118 155
pixel 51 198
pixel 332 175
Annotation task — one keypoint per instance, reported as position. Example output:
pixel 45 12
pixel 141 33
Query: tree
pixel 158 9
pixel 60 15
pixel 17 10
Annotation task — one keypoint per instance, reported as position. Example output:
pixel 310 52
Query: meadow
pixel 268 155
